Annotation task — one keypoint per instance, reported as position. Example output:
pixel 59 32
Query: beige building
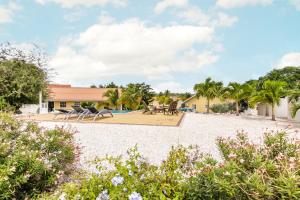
pixel 281 111
pixel 65 96
pixel 200 104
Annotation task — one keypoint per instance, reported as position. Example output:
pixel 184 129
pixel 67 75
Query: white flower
pixel 227 173
pixel 103 195
pixel 130 173
pixel 242 160
pixel 77 197
pixel 62 196
pixel 135 196
pixel 117 180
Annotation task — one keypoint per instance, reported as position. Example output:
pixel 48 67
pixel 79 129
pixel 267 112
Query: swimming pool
pixel 120 111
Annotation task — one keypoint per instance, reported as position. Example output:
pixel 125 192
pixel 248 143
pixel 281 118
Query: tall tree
pixel 21 82
pixel 112 97
pixel 290 75
pixel 209 89
pixel 271 93
pixel 238 92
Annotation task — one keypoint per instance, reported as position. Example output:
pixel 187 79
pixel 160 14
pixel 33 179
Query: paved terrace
pixel 154 142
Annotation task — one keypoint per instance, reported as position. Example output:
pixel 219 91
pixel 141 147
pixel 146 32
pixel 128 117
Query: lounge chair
pixel 97 113
pixel 79 111
pixel 172 109
pixel 62 112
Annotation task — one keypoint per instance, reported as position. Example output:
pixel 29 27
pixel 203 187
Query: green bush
pixel 87 104
pixel 135 178
pixel 270 171
pixel 32 160
pixel 223 108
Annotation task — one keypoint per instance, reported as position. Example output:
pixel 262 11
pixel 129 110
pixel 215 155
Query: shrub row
pixel 248 171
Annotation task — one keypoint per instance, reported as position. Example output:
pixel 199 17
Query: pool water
pixel 120 111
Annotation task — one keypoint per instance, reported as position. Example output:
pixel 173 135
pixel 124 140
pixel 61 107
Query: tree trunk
pixel 237 109
pixel 208 106
pixel 273 113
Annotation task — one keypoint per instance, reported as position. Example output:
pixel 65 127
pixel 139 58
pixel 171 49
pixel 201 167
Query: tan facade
pixel 201 103
pixel 68 104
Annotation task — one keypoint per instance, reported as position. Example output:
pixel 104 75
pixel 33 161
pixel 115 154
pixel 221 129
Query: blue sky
pixel 170 44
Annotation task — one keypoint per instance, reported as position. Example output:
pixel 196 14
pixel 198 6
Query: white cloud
pixel 195 15
pixel 87 3
pixel 289 59
pixel 242 3
pixel 172 86
pixel 132 48
pixel 295 3
pixel 164 4
pixel 7 12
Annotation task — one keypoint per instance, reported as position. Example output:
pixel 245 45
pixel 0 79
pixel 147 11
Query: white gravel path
pixel 154 142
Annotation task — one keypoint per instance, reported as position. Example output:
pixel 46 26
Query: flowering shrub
pixel 248 171
pixel 270 171
pixel 32 160
pixel 135 178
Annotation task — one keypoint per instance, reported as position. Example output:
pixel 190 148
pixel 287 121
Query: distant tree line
pixel 268 89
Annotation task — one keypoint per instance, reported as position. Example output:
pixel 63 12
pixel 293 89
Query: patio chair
pixel 172 109
pixel 148 109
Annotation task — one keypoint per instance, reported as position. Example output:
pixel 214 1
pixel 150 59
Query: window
pixel 62 104
pixel 77 104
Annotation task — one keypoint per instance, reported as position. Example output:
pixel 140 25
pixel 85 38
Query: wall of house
pixel 201 103
pixel 282 111
pixel 69 105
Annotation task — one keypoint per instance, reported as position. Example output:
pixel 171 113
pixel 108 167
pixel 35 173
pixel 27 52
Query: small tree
pixel 271 93
pixel 209 89
pixel 184 96
pixel 164 98
pixel 112 97
pixel 238 92
pixel 294 99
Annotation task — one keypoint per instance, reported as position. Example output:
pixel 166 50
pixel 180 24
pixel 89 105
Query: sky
pixel 170 44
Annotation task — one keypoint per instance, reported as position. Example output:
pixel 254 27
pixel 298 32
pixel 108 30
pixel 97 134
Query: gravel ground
pixel 154 142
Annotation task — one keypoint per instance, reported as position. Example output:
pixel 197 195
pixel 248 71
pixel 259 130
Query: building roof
pixel 189 98
pixel 68 93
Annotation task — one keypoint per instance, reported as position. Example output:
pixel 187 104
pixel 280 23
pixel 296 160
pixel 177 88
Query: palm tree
pixel 294 98
pixel 270 94
pixel 294 109
pixel 209 89
pixel 112 97
pixel 164 98
pixel 238 92
pixel 131 97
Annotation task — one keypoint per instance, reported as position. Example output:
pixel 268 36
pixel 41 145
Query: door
pixel 50 106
